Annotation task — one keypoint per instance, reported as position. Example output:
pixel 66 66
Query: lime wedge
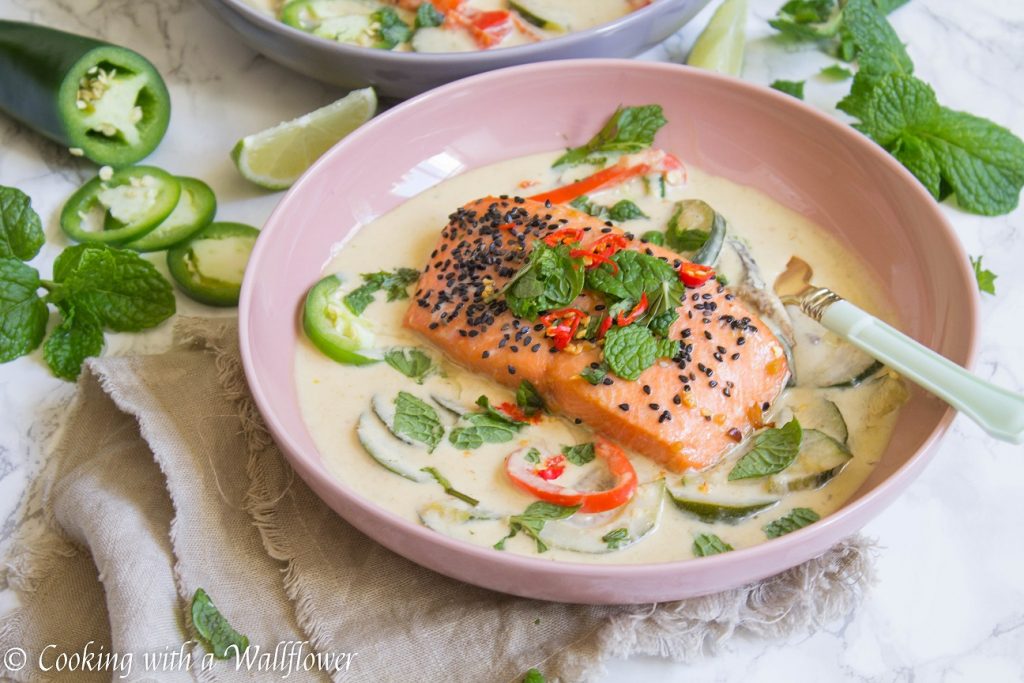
pixel 720 46
pixel 276 157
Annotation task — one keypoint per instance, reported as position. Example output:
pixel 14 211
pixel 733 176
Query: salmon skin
pixel 684 413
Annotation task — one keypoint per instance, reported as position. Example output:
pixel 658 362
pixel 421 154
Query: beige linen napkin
pixel 167 481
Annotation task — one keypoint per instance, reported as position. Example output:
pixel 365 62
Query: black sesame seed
pixel 677 400
pixel 623 407
pixel 485 354
pixel 653 406
pixel 511 369
pixel 707 335
pixel 607 381
pixel 647 389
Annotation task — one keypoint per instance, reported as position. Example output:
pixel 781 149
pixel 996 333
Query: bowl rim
pixel 883 493
pixel 487 59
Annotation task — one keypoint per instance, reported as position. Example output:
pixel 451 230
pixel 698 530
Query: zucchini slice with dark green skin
pixel 823 415
pixel 209 266
pixel 134 201
pixel 194 211
pixel 821 458
pixel 105 101
pixel 710 508
pixel 864 375
pixel 380 443
pixel 607 532
pixel 697 215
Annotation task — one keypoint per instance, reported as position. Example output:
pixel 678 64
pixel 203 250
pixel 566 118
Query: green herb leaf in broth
pixel 798 518
pixel 447 486
pixel 529 399
pixel 580 454
pixel 616 537
pixel 531 522
pixel 709 544
pixel 630 129
pixel 412 363
pixel 772 451
pixel 417 420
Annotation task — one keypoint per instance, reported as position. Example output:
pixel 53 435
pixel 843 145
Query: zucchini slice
pixel 447 517
pixel 541 14
pixel 821 458
pixel 825 360
pixel 861 377
pixel 823 415
pixel 453 407
pixel 890 394
pixel 607 532
pixel 380 444
pixel 718 506
pixel 384 409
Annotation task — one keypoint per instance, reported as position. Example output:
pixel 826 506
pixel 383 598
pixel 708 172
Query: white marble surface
pixel 949 602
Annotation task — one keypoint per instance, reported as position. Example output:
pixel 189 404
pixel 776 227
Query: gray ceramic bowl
pixel 404 74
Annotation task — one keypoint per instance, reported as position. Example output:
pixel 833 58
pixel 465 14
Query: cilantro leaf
pixel 773 450
pixel 412 363
pixel 78 337
pixel 981 162
pixel 529 399
pixel 215 631
pixel 986 278
pixel 23 314
pixel 630 129
pixel 123 291
pixel 395 283
pixel 548 281
pixel 836 72
pixel 709 544
pixel 797 519
pixel 616 537
pixel 392 30
pixel 625 210
pixel 417 420
pixel 594 375
pixel 531 521
pixel 630 350
pixel 580 454
pixel 793 88
pixel 427 16
pixel 21 232
pixel 447 486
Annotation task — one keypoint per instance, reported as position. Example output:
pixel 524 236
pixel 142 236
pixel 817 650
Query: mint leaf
pixel 583 203
pixel 625 210
pixel 630 129
pixel 638 274
pixel 217 634
pixel 532 456
pixel 427 16
pixel 808 19
pixel 662 322
pixel 531 521
pixel 417 420
pixel 580 454
pixel 683 239
pixel 550 280
pixel 616 537
pixel 392 30
pixel 23 314
pixel 412 363
pixel 836 72
pixel 666 348
pixel 123 291
pixel 880 53
pixel 21 232
pixel 395 283
pixel 466 438
pixel 986 278
pixel 773 450
pixel 981 162
pixel 797 519
pixel 534 676
pixel 594 375
pixel 447 486
pixel 654 237
pixel 630 350
pixel 794 88
pixel 79 336
pixel 709 544
pixel 489 426
pixel 529 399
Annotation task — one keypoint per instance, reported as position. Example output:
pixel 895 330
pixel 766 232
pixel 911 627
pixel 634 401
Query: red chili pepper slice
pixel 551 468
pixel 610 243
pixel 636 312
pixel 564 236
pixel 562 325
pixel 487 28
pixel 527 476
pixel 516 413
pixel 507 226
pixel 606 325
pixel 593 260
pixel 613 175
pixel 695 274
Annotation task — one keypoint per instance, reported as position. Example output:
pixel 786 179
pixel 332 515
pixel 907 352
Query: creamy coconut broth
pixel 445 25
pixel 334 396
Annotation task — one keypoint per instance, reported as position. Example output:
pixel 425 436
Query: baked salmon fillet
pixel 685 413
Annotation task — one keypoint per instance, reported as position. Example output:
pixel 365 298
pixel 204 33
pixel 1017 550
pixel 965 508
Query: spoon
pixel 998 411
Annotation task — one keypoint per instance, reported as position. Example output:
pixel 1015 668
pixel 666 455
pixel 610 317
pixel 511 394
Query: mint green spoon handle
pixel 998 411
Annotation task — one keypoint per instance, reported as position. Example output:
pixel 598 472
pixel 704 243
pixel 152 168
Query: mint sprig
pixel 23 313
pixel 394 282
pixel 630 129
pixel 216 633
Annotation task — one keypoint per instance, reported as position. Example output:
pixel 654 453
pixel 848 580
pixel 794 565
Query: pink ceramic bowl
pixel 749 134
